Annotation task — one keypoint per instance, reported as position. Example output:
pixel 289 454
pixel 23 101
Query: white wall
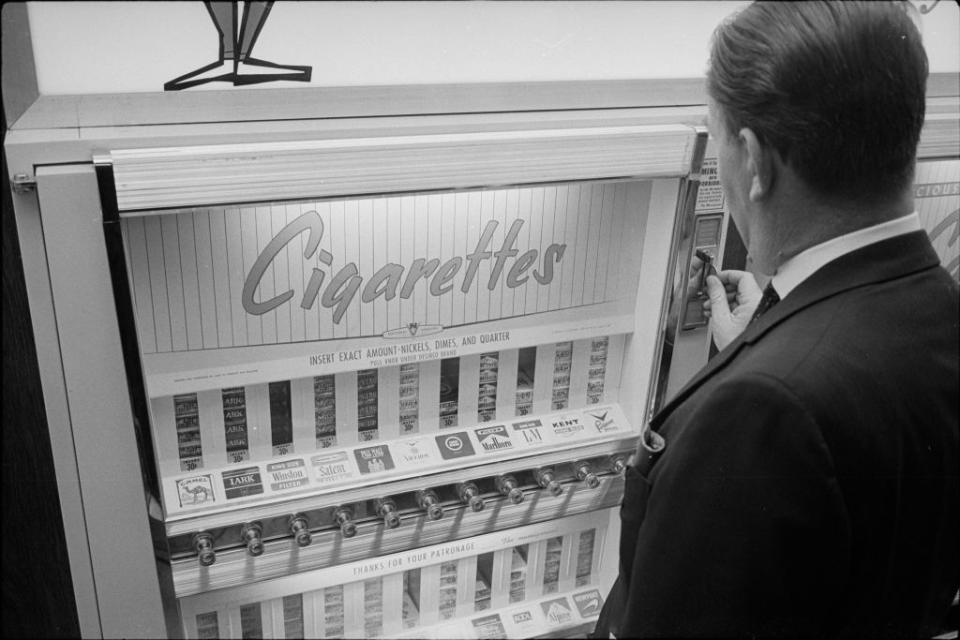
pixel 98 47
pixel 107 47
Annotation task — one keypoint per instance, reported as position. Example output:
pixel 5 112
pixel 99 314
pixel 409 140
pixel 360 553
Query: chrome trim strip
pixel 670 315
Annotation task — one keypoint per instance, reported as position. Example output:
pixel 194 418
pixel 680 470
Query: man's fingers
pixel 747 285
pixel 719 307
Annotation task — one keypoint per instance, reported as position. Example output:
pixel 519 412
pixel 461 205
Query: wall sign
pixel 385 267
pixel 237 39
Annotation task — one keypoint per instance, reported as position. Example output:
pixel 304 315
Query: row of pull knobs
pixel 427 500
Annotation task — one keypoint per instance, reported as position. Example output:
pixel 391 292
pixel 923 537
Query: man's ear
pixel 761 165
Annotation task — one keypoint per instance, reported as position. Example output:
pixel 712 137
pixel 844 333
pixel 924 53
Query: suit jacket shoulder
pixel 811 467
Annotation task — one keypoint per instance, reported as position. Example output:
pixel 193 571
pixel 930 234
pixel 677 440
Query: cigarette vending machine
pixel 383 375
pixel 355 376
pixel 368 362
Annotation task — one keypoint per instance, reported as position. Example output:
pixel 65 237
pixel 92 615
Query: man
pixel 805 483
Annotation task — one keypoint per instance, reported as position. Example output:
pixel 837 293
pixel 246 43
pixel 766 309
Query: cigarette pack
pixel 551 565
pixel 518 573
pixel 409 398
pixel 481 598
pixel 595 386
pixel 235 424
pixel 449 391
pixel 187 416
pixel 293 616
pixel 448 590
pixel 333 611
pixel 208 626
pixel 489 627
pixel 526 368
pixel 281 418
pixel 373 607
pixel 585 557
pixel 448 573
pixel 410 374
pixel 366 380
pixel 411 598
pixel 251 622
pixel 325 410
pixel 596 374
pixel 410 613
pixel 563 356
pixel 367 405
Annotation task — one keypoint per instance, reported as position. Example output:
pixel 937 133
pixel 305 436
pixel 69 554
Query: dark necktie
pixel 769 298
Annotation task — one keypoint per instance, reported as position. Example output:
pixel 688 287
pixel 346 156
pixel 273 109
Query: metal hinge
pixel 22 183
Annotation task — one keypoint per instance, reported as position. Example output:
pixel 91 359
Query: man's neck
pixel 807 221
pixel 798 268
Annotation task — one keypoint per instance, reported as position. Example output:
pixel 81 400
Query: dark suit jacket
pixel 809 482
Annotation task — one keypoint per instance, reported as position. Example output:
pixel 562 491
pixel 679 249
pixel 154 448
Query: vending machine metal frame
pixel 110 513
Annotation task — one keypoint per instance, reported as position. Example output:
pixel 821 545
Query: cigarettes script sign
pixel 217 277
pixel 343 287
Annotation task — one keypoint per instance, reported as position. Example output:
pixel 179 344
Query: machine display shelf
pixel 194 371
pixel 272 422
pixel 552 574
pixel 235 567
pixel 235 493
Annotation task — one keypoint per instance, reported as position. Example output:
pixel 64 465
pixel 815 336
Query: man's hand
pixel 733 297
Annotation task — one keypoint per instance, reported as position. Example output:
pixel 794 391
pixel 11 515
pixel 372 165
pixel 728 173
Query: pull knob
pixel 386 508
pixel 252 534
pixel 507 485
pixel 428 501
pixel 203 544
pixel 300 530
pixel 343 516
pixel 547 480
pixel 470 495
pixel 618 464
pixel 584 474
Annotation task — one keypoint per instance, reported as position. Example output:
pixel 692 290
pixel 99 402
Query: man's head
pixel 832 94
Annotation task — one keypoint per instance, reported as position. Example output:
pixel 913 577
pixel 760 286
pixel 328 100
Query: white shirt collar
pixel 803 265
